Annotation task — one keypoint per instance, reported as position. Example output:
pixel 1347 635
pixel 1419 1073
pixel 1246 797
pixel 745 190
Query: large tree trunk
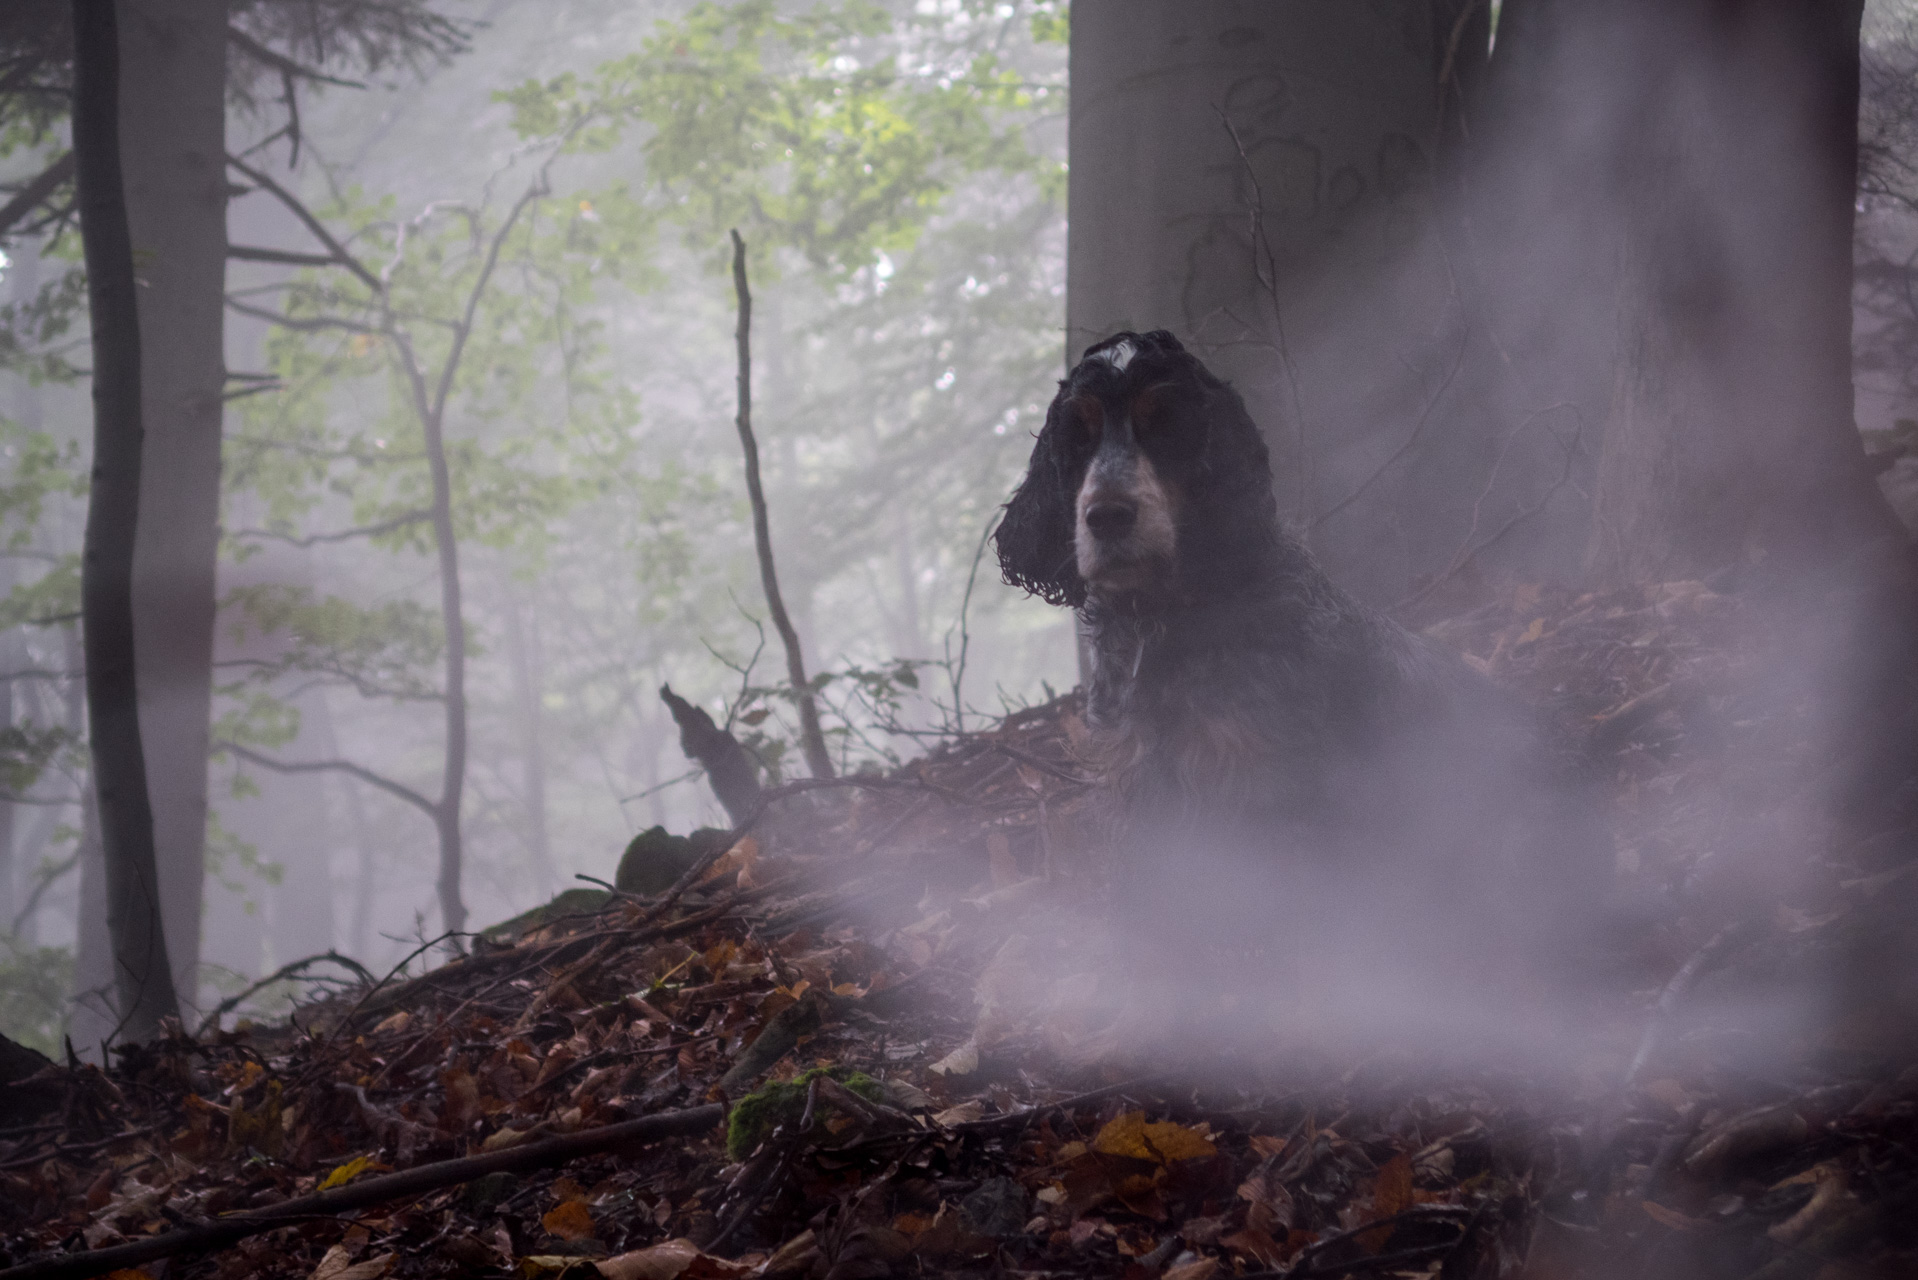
pixel 1731 439
pixel 1257 178
pixel 143 979
pixel 173 125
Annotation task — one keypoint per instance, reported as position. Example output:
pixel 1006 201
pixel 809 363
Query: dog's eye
pixel 1087 418
pixel 1163 423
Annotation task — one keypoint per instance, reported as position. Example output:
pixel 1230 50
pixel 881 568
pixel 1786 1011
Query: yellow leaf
pixel 347 1172
pixel 1162 1142
pixel 571 1221
pixel 1532 632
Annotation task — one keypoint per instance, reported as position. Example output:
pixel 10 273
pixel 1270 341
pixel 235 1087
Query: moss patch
pixel 757 1114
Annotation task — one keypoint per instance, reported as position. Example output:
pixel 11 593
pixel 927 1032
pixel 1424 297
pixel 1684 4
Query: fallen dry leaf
pixel 570 1221
pixel 338 1264
pixel 350 1170
pixel 964 1113
pixel 1161 1142
pixel 1198 1269
pixel 1829 1196
pixel 1392 1195
pixel 962 1061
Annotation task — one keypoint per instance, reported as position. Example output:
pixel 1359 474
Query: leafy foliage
pixel 34 982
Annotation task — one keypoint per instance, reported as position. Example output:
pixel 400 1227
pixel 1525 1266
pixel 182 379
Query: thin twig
pixel 212 1020
pixel 811 740
pixel 956 673
pixel 1266 270
pixel 1467 550
pixel 1418 429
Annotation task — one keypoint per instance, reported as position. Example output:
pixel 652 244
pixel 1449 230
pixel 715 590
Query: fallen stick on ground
pixel 369 1192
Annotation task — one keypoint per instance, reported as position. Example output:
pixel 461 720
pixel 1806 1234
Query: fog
pixel 900 370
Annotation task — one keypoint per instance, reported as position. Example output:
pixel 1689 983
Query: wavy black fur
pixel 1253 704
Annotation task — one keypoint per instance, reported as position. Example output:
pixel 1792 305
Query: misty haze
pixel 957 637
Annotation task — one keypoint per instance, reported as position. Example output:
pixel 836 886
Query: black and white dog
pixel 1270 745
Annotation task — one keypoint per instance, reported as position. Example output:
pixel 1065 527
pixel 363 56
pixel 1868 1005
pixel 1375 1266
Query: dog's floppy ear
pixel 1034 538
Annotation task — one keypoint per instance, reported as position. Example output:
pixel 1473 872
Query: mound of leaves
pixel 847 1043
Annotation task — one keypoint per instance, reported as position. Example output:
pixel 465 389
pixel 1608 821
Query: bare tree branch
pixel 212 1020
pixel 47 881
pixel 253 253
pixel 280 62
pixel 36 192
pixel 298 208
pixel 400 521
pixel 365 775
pixel 304 324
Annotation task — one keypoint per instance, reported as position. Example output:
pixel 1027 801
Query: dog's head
pixel 1148 483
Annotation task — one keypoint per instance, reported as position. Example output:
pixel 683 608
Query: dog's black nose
pixel 1111 519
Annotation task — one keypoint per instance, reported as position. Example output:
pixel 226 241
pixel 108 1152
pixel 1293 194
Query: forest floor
pixel 921 1075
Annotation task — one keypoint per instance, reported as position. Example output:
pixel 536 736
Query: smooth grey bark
pixel 1731 440
pixel 1258 179
pixel 143 978
pixel 173 129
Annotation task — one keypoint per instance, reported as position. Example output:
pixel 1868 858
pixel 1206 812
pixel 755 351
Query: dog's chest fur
pixel 1267 708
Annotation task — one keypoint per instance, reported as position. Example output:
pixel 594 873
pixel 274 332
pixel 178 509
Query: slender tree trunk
pixel 812 742
pixel 173 127
pixel 12 653
pixel 143 978
pixel 453 777
pixel 524 652
pixel 1731 440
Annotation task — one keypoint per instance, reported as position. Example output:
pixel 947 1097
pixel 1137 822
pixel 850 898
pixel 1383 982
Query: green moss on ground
pixel 757 1114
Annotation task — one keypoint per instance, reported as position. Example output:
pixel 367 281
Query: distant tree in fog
pixel 183 62
pixel 143 977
